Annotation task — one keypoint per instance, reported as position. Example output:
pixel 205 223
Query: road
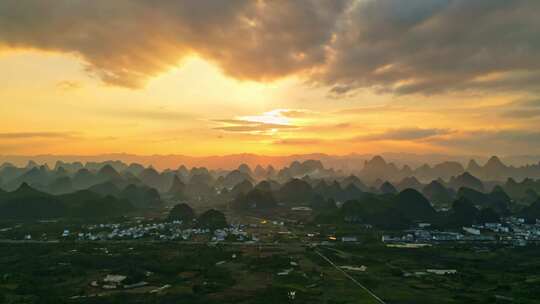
pixel 379 300
pixel 56 242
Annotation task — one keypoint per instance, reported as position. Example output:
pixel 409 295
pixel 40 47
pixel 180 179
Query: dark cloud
pixel 432 46
pixel 396 46
pixel 124 42
pixel 341 89
pixel 404 134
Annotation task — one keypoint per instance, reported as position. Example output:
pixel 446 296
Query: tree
pixel 464 213
pixel 212 219
pixel 488 215
pixel 181 212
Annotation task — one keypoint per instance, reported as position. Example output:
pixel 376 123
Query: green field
pixel 63 272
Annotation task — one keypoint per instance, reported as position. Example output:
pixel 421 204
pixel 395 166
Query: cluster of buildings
pixel 117 281
pixel 163 231
pixel 440 272
pixel 511 230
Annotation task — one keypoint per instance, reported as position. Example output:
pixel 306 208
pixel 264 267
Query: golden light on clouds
pixel 214 77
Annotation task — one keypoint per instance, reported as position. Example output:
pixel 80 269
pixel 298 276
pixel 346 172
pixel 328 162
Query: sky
pixel 269 77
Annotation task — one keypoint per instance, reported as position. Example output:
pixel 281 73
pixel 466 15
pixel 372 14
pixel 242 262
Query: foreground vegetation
pixel 183 273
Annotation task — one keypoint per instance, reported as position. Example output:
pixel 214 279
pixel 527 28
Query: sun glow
pixel 275 117
pixel 195 109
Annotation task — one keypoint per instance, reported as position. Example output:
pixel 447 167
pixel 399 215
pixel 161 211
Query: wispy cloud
pixel 68 85
pixel 298 142
pixel 147 114
pixel 267 122
pixel 522 109
pixel 503 141
pixel 372 109
pixel 530 103
pixel 404 134
pixel 522 113
pixel 254 128
pixel 232 125
pixel 49 135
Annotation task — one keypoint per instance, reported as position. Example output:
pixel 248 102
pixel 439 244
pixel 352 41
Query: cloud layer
pixel 403 47
pixel 432 46
pixel 126 41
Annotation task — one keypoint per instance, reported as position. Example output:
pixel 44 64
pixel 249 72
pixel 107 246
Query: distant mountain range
pixel 403 193
pixel 493 170
pixel 376 172
pixel 228 162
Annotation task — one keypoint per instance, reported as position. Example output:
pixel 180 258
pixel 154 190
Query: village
pixel 511 231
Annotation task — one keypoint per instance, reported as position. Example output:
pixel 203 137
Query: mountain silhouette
pixel 254 199
pixel 409 182
pixel 241 188
pixel 387 188
pixel 235 177
pixel 466 180
pixel 178 189
pixel 295 192
pixel 108 173
pixel 438 194
pixel 353 179
pixel 414 206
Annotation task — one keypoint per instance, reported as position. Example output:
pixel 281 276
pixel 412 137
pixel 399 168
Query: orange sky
pixel 71 93
pixel 51 105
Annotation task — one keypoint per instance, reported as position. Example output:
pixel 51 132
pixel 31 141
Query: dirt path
pixel 379 300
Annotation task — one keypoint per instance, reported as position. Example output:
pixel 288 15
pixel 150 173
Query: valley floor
pixel 175 272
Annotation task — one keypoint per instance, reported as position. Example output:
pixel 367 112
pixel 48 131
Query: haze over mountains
pixel 447 195
pixel 112 187
pixel 393 167
pixel 347 163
